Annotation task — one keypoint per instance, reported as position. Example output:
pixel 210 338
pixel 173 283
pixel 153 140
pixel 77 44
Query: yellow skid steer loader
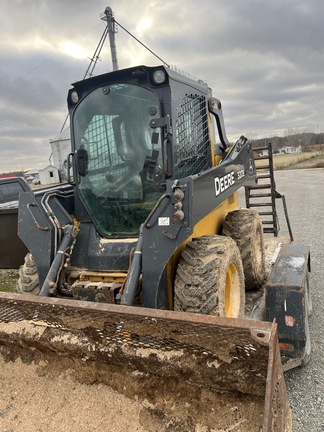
pixel 140 265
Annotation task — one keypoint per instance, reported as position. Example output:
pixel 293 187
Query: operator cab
pixel 114 147
pixel 122 142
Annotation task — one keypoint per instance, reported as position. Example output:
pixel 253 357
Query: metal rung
pixel 263 176
pixel 266 213
pixel 268 230
pixel 267 222
pixel 262 167
pixel 261 205
pixel 260 195
pixel 263 186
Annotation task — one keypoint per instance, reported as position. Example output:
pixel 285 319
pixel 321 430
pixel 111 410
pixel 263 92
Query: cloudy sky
pixel 263 59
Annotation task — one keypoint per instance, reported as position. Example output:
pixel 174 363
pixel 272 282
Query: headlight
pixel 74 97
pixel 159 76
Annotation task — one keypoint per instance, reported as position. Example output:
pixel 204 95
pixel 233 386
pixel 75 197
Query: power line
pixel 145 46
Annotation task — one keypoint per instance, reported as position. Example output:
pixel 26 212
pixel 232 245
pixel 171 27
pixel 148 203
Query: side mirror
pixel 82 161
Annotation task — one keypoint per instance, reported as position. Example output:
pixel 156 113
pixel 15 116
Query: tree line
pixel 307 141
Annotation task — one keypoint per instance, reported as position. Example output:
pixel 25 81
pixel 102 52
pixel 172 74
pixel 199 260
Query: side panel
pixel 36 232
pixel 41 218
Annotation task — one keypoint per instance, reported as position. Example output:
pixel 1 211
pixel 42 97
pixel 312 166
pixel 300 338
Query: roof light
pixel 74 97
pixel 159 76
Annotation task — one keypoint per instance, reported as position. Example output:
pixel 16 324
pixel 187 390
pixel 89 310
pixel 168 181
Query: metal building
pixel 61 147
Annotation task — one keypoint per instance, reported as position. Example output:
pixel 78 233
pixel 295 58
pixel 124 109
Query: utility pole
pixel 112 30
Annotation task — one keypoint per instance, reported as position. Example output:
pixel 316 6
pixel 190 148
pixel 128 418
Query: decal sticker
pixel 240 174
pixel 164 221
pixel 223 183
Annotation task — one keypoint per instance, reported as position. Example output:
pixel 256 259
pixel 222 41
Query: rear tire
pixel 210 278
pixel 28 277
pixel 245 227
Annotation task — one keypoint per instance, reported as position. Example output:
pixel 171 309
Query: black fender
pixel 287 302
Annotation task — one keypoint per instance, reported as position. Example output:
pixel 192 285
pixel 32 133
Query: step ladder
pixel 263 196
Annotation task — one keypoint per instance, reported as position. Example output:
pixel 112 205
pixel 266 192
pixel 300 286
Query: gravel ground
pixel 304 195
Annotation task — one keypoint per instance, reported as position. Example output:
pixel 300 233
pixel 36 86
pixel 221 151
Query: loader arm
pixel 200 196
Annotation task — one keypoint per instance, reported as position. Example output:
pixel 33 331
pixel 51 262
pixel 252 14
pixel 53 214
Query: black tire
pixel 28 277
pixel 210 279
pixel 245 227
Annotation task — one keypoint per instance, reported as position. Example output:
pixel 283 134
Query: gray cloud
pixel 264 60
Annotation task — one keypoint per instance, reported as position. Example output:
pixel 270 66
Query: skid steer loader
pixel 140 265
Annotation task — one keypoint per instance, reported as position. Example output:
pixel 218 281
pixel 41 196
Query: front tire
pixel 210 279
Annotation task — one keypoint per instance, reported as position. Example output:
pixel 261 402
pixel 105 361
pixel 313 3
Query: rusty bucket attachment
pixel 189 369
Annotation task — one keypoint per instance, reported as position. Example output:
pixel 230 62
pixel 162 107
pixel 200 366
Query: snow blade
pixel 164 357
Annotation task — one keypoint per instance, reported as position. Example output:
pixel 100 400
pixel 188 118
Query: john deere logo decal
pixel 223 183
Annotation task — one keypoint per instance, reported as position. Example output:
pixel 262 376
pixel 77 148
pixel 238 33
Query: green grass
pixel 298 161
pixel 8 279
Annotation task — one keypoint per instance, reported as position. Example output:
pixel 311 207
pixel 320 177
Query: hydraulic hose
pixel 50 284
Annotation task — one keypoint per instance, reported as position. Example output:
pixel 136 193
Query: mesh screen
pixel 192 135
pixel 154 342
pixel 102 145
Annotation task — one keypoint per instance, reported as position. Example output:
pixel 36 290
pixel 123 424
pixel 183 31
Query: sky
pixel 263 59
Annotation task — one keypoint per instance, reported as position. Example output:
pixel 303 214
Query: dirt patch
pixel 8 279
pixel 37 397
pixel 31 401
